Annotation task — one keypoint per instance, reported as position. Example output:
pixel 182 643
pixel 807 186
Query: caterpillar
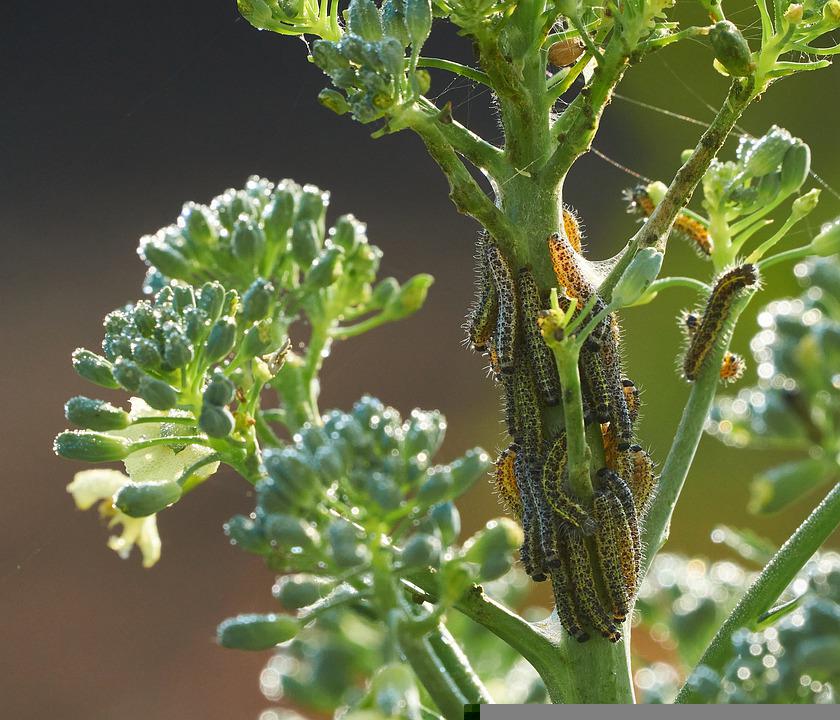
pixel 732 368
pixel 564 601
pixel 541 357
pixel 531 551
pixel 595 382
pixel 553 479
pixel 641 478
pixel 571 225
pixel 689 227
pixel 482 318
pixel 569 275
pixel 631 540
pixel 504 481
pixel 506 315
pixel 631 397
pixel 619 413
pixel 715 314
pixel 583 583
pixel 609 559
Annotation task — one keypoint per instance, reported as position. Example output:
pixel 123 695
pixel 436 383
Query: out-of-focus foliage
pixel 791 657
pixel 796 403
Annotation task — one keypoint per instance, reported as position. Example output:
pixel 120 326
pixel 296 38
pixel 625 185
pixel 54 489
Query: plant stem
pixel 458 666
pixel 429 670
pixel 770 584
pixel 689 432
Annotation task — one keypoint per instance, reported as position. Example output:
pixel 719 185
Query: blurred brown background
pixel 111 118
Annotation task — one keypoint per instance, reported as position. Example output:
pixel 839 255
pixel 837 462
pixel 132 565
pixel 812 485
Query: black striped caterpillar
pixel 686 225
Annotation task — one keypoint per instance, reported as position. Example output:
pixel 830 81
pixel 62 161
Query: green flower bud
pixel 326 269
pixel 164 257
pixel 146 354
pixel 313 206
pixel 247 534
pixel 831 12
pixel 197 225
pixel 769 187
pixel 637 277
pixel 256 632
pixel 424 80
pixel 766 154
pixel 383 490
pixel 91 446
pixel 306 243
pixel 796 165
pixel 258 339
pixel 159 394
pixel 95 414
pixel 216 421
pixel 177 350
pixel 827 242
pixel 297 591
pixel 330 463
pixel 334 100
pixel 128 374
pixel 311 437
pixel 490 548
pixel 448 521
pixel 805 204
pixel 731 49
pixel 384 292
pixel 347 550
pixel 424 433
pixel 184 298
pixel 393 21
pixel 347 233
pixel 247 242
pixel 211 297
pixel 144 318
pixel 220 390
pixel 256 301
pixel 437 486
pixel 278 216
pixel 467 469
pixel 291 468
pixel 287 532
pixel 421 551
pixel 368 409
pixel 410 298
pixel 363 17
pixel 94 368
pixel 794 14
pixel 418 22
pixel 147 498
pixel 221 339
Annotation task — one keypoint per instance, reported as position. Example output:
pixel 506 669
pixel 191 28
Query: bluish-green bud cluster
pixel 369 63
pixel 797 353
pixel 766 170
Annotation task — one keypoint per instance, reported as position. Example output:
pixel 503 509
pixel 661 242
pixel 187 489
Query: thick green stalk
pixel 770 584
pixel 428 668
pixel 689 432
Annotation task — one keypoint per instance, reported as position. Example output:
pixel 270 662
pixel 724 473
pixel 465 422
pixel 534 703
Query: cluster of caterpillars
pixel 590 548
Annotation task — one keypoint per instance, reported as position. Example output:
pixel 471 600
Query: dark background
pixel 113 114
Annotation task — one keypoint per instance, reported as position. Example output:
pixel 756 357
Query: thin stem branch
pixel 458 666
pixel 770 584
pixel 457 68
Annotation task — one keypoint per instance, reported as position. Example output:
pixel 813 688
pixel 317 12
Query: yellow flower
pixel 155 464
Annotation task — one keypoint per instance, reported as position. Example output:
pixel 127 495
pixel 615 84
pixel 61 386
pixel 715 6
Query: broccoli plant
pixel 247 295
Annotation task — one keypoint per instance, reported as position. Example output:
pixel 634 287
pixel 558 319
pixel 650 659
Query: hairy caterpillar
pixel 715 314
pixel 564 600
pixel 571 225
pixel 531 551
pixel 553 479
pixel 689 227
pixel 609 559
pixel 595 381
pixel 506 315
pixel 583 583
pixel 732 368
pixel 631 397
pixel 619 414
pixel 504 481
pixel 641 478
pixel 482 319
pixel 577 286
pixel 630 541
pixel 541 357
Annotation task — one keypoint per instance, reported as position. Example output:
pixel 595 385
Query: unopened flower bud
pixel 297 591
pixel 164 257
pixel 490 548
pixel 334 100
pixel 421 551
pixel 326 269
pixel 347 550
pixel 94 368
pixel 211 297
pixel 731 49
pixel 158 394
pixel 827 242
pixel 805 204
pixel 220 340
pixel 128 374
pixel 247 242
pixel 91 446
pixel 220 390
pixel 305 242
pixel 285 532
pixel 831 12
pixel 256 632
pixel 247 534
pixel 411 297
pixel 765 155
pixel 796 165
pixel 147 498
pixel 637 277
pixel 93 414
pixel 216 421
pixel 794 14
pixel 256 300
pixel 448 521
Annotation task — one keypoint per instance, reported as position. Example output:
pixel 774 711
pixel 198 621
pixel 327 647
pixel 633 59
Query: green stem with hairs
pixel 769 585
pixel 452 657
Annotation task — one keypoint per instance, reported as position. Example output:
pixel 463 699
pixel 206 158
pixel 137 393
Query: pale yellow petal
pixel 91 486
